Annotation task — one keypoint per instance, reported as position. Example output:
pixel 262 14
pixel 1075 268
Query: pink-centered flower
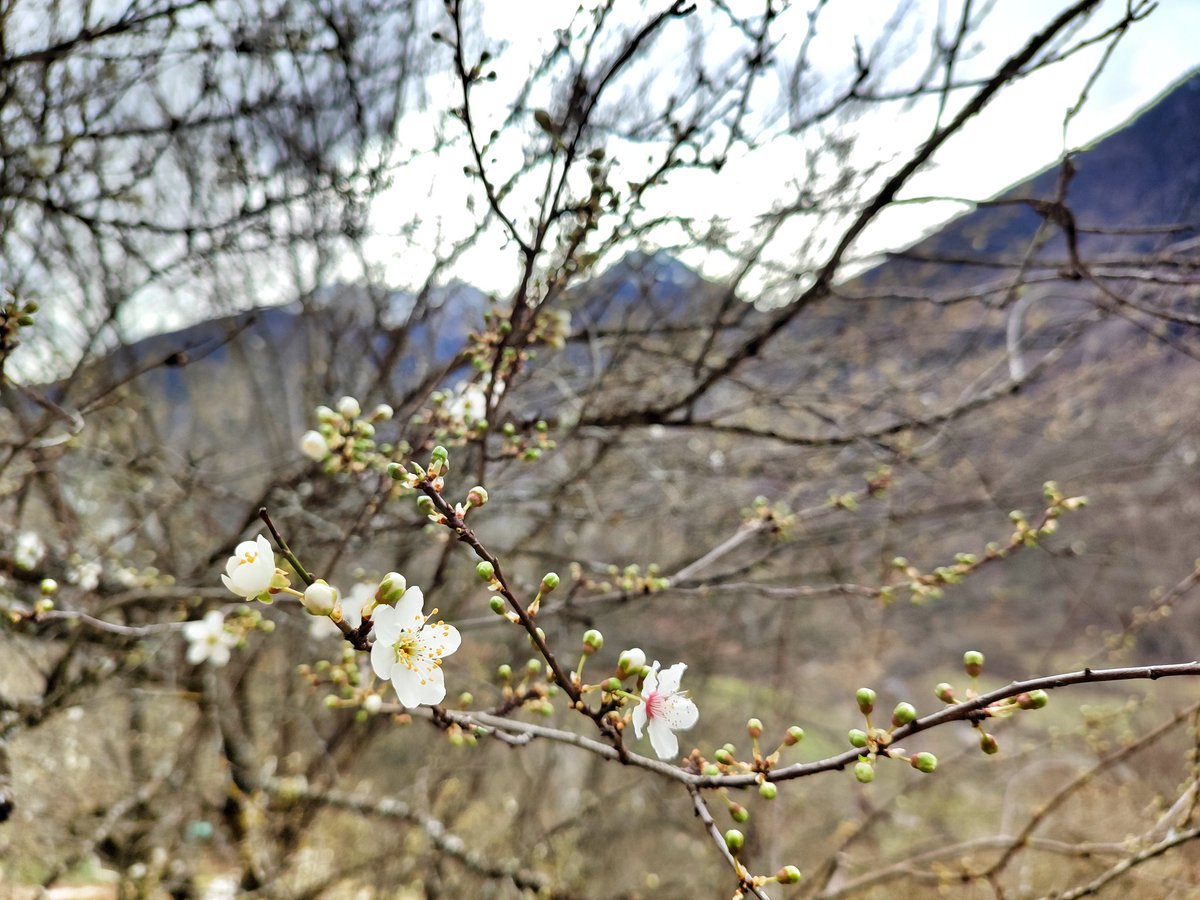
pixel 409 649
pixel 251 568
pixel 664 710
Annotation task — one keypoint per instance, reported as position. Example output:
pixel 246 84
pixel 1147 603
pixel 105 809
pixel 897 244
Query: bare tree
pixel 798 478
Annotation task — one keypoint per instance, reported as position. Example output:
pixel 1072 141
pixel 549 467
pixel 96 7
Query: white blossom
pixel 409 649
pixel 664 710
pixel 207 639
pixel 86 575
pixel 250 570
pixel 29 550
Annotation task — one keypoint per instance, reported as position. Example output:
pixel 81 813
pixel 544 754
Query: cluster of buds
pixel 344 439
pixel 924 586
pixel 528 444
pixel 875 741
pixel 630 580
pixel 725 761
pixel 973 666
pixel 14 315
pixel 776 518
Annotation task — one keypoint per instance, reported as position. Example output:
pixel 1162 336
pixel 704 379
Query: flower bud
pixel 723 756
pixel 497 604
pixel 788 875
pixel 324 413
pixel 710 770
pixel 612 685
pixel 866 700
pixel 312 445
pixel 392 588
pixel 944 692
pixel 630 661
pixel 1033 700
pixel 47 586
pixel 973 662
pixel 382 413
pixel 593 640
pixel 864 772
pixel 533 666
pixel 319 598
pixel 754 728
pixel 739 813
pixel 549 582
pixel 348 407
pixel 504 673
pixel 768 790
pixel 425 504
pixel 485 570
pixel 372 703
pixel 477 496
pixel 795 735
pixel 924 762
pixel 734 840
pixel 903 714
pixel 396 472
pixel 988 743
pixel 857 738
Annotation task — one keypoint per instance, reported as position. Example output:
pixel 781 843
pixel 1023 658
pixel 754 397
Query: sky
pixel 1018 135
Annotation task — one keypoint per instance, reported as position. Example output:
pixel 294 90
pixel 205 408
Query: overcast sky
pixel 1019 134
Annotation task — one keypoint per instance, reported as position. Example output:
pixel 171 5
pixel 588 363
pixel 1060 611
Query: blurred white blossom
pixel 207 639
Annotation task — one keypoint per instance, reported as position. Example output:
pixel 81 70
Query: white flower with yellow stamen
pixel 409 649
pixel 250 570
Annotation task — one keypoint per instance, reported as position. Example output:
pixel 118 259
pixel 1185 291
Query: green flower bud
pixel 739 813
pixel 396 471
pixel 924 762
pixel 439 454
pixel 754 728
pixel 504 673
pixel 477 496
pixel 533 666
pixel 485 570
pixel 496 602
pixel 973 662
pixel 612 684
pixel 903 714
pixel 723 756
pixel 1033 700
pixel 988 743
pixel 857 738
pixel 549 582
pixel 391 588
pixel 788 875
pixel 768 790
pixel 864 772
pixel 866 700
pixel 593 640
pixel 47 586
pixel 795 734
pixel 711 770
pixel 734 840
pixel 944 692
pixel 425 504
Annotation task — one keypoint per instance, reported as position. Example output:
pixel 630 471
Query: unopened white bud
pixel 320 598
pixel 349 408
pixel 313 445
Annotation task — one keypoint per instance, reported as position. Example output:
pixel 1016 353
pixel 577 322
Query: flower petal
pixel 639 719
pixel 387 626
pixel 663 739
pixel 439 639
pixel 668 680
pixel 409 608
pixel 383 658
pixel 679 713
pixel 407 686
